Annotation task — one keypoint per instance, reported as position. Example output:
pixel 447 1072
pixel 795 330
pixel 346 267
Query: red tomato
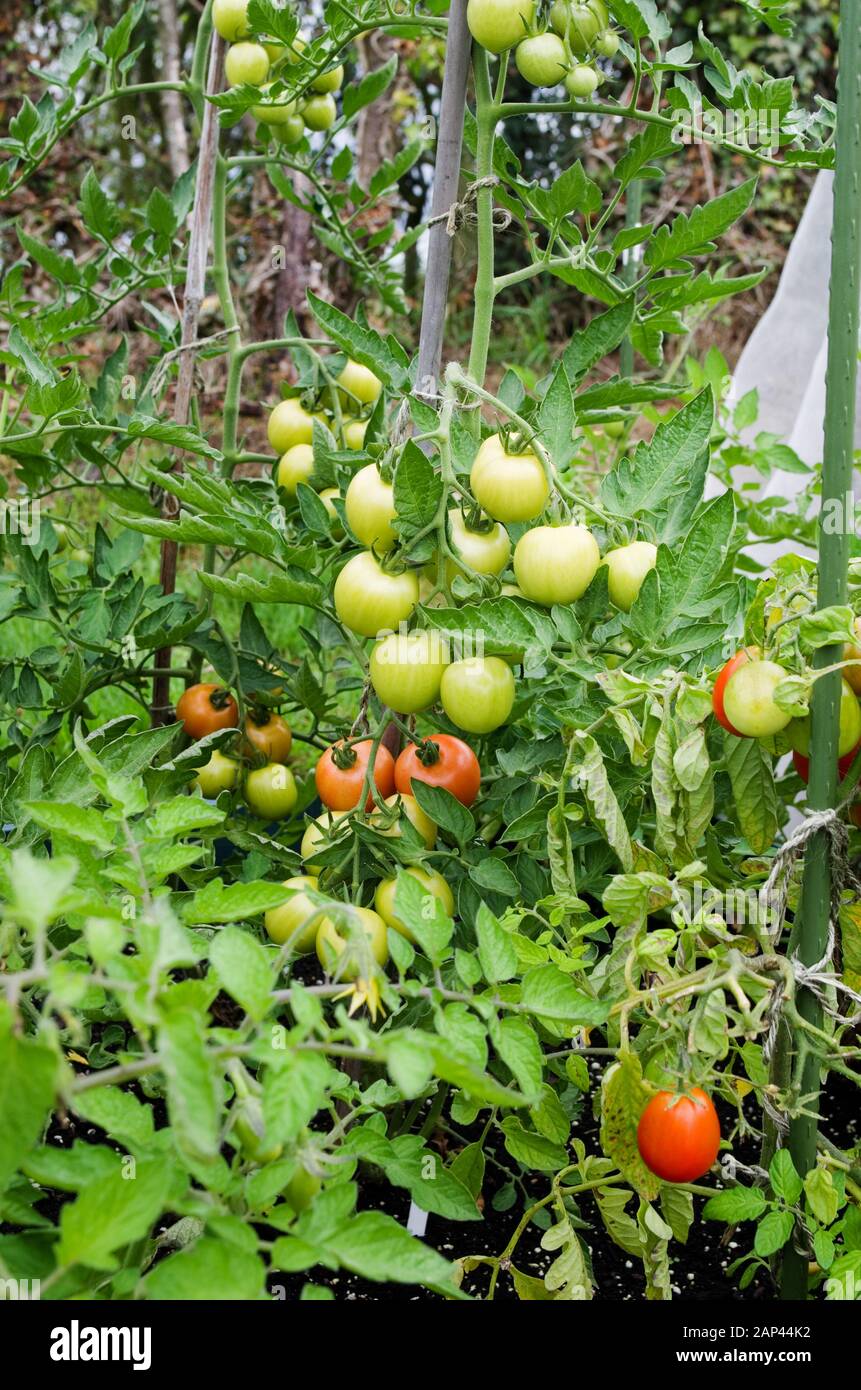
pixel 679 1136
pixel 740 659
pixel 441 761
pixel 205 708
pixel 341 772
pixel 802 764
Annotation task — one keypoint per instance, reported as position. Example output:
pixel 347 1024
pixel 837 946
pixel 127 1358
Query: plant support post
pixel 195 284
pixel 445 190
pixel 810 933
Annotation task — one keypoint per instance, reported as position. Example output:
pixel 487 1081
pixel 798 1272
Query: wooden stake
pixel 446 187
pixel 195 284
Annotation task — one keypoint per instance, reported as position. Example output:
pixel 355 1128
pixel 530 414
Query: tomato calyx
pixel 476 520
pixel 343 756
pixel 220 697
pixel 514 440
pixel 260 716
pixel 427 752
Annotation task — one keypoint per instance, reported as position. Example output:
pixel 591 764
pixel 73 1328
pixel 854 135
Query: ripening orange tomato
pixel 341 771
pixel 205 708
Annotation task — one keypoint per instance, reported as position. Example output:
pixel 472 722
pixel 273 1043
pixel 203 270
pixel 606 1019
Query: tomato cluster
pixel 376 593
pixel 269 786
pixel 578 33
pixel 262 64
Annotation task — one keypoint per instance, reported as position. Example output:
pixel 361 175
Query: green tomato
pixel 302 1189
pixel 556 564
pixel 230 19
pixel 499 24
pixel 249 1130
pixel 407 806
pixel 319 112
pixel 292 131
pixel 370 508
pixel 289 424
pixel 542 60
pixel 218 775
pixel 477 694
pixel 281 922
pixel 327 497
pixel 331 945
pixel 319 835
pixel 277 113
pixel 295 467
pixel 748 699
pixel 368 600
pixel 330 81
pixel 510 487
pixel 798 730
pixel 360 382
pixel 433 883
pixel 406 670
pixel 246 62
pixel 607 44
pixel 581 81
pixel 270 791
pixel 297 48
pixel 582 23
pixel 354 432
pixel 487 552
pixel 628 566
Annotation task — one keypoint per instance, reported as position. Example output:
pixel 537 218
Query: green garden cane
pixel 810 933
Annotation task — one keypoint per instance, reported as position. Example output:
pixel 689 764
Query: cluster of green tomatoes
pixel 376 595
pixel 258 65
pixel 565 51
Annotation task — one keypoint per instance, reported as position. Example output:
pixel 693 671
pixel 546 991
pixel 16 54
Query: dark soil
pixel 699 1269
